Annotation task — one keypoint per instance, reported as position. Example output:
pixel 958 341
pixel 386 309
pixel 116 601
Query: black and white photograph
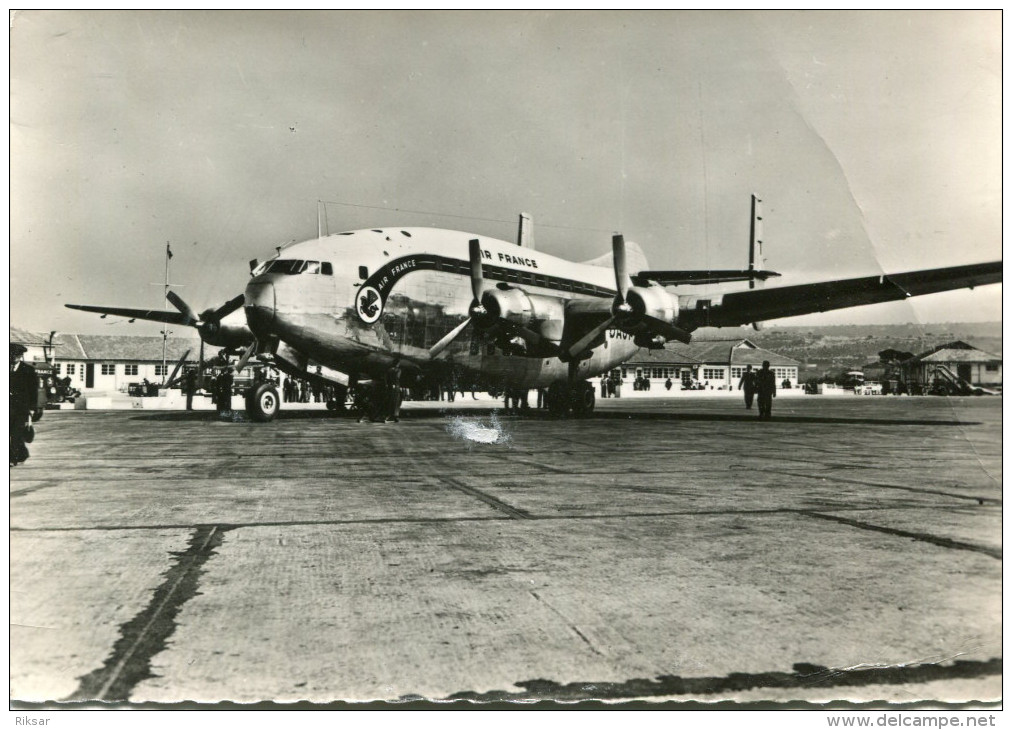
pixel 505 359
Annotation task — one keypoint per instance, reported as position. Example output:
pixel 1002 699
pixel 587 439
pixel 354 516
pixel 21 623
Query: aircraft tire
pixel 583 400
pixel 262 403
pixel 558 403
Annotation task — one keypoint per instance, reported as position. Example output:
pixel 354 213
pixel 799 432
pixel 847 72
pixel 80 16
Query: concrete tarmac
pixel 849 549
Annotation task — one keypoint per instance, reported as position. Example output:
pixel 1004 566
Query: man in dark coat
pixel 766 389
pixel 393 394
pixel 24 393
pixel 747 383
pixel 224 399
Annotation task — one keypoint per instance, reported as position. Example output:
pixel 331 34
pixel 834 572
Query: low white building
pixel 710 364
pixel 106 363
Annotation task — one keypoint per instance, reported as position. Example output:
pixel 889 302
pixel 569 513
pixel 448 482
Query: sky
pixel 873 139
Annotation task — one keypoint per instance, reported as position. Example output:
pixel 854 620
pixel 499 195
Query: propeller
pixel 477 310
pixel 484 311
pixel 621 306
pixel 208 322
pixel 200 366
pixel 169 380
pixel 246 355
pixel 623 310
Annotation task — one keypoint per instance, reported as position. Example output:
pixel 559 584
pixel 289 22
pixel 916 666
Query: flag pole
pixel 165 295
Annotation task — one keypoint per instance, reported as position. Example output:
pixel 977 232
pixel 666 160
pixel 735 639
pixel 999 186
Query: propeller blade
pixel 622 282
pixel 227 308
pixel 245 356
pixel 448 338
pixel 477 277
pixel 183 307
pixel 666 330
pixel 176 369
pixel 583 343
pixel 200 366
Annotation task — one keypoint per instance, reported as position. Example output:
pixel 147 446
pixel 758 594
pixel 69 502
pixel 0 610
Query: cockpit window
pixel 298 266
pixel 284 266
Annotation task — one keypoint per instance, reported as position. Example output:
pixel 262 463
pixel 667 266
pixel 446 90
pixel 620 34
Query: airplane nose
pixel 259 305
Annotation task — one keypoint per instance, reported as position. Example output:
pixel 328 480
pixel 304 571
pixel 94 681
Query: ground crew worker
pixel 191 388
pixel 766 389
pixel 224 399
pixel 393 399
pixel 747 383
pixel 24 398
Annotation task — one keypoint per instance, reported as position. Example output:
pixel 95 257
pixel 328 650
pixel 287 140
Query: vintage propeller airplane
pixel 450 306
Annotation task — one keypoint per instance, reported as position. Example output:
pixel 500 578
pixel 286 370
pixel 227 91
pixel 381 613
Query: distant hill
pixel 829 349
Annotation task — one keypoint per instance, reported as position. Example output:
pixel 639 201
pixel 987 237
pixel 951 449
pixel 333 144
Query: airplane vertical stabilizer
pixel 525 232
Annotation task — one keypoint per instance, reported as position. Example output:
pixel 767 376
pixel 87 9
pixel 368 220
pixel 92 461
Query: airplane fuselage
pixel 359 300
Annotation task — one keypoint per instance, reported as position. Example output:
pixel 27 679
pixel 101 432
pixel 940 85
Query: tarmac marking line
pixel 491 501
pixel 921 536
pixel 145 635
pixel 225 527
pixel 569 623
pixel 968 497
pixel 28 490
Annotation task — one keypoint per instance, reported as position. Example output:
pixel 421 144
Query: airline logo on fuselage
pixel 370 304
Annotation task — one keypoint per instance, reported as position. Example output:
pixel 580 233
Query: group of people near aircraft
pixel 761 383
pixel 380 400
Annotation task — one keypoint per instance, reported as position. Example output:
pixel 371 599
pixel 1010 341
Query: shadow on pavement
pixel 423 414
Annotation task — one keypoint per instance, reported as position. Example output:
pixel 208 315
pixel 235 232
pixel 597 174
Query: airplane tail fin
pixel 755 250
pixel 525 232
pixel 755 243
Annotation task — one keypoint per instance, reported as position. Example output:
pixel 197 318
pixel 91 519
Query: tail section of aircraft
pixel 525 232
pixel 636 260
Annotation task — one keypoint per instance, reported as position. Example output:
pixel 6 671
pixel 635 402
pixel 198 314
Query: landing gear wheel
pixel 262 402
pixel 582 400
pixel 558 402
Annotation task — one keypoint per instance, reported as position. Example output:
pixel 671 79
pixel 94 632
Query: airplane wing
pixel 701 276
pixel 755 305
pixel 154 315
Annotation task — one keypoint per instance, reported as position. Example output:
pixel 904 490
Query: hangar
pixel 958 358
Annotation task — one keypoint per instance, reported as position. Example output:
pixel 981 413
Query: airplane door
pixel 89 375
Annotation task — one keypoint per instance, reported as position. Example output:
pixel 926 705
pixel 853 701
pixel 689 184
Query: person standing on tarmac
pixel 24 398
pixel 224 399
pixel 748 383
pixel 190 381
pixel 393 399
pixel 766 389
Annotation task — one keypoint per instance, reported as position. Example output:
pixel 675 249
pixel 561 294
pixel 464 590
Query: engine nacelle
pixel 226 335
pixel 653 301
pixel 545 315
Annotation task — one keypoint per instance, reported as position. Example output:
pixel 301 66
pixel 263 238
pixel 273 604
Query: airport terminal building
pixel 709 364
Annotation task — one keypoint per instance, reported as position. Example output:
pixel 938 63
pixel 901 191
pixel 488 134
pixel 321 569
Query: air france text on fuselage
pixel 511 259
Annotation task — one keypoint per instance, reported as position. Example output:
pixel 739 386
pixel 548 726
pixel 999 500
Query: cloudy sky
pixel 874 140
